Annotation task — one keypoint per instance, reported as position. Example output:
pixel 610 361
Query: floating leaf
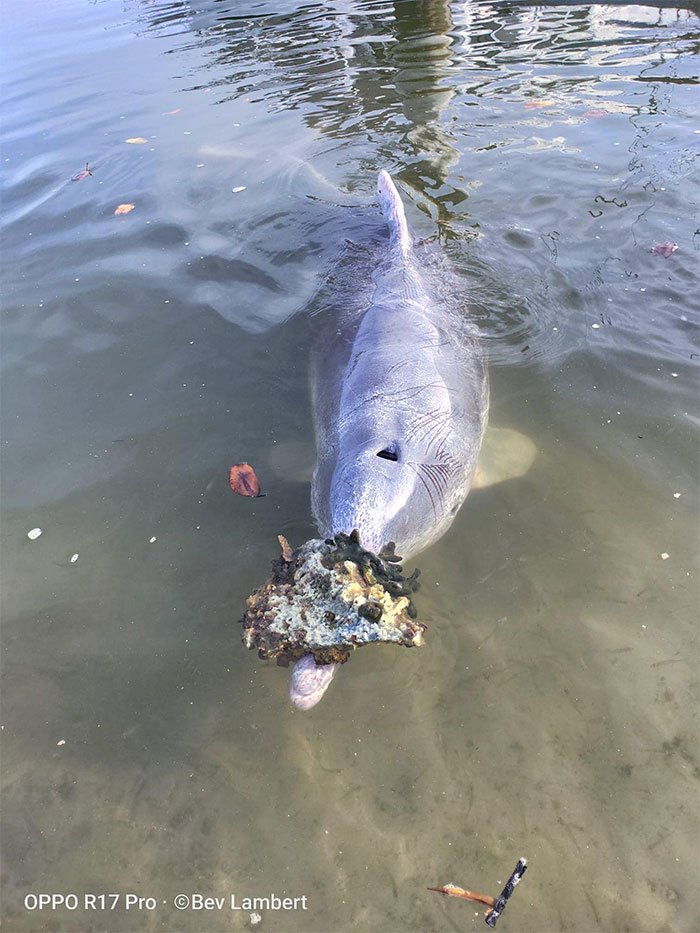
pixel 536 104
pixel 84 174
pixel 125 209
pixel 136 140
pixel 243 481
pixel 664 249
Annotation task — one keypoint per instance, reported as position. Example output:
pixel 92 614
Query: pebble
pixel 34 534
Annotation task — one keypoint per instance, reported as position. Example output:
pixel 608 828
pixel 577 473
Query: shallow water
pixel 553 711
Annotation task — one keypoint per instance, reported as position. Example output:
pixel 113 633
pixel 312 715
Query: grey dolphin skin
pixel 400 406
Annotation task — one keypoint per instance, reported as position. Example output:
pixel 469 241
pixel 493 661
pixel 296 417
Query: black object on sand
pixel 505 895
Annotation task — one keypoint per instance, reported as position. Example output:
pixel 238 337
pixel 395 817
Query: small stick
pixel 496 905
pixel 453 891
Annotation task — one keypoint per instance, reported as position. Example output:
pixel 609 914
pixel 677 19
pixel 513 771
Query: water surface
pixel 553 712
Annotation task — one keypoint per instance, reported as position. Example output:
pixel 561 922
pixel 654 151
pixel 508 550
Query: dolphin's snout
pixel 310 681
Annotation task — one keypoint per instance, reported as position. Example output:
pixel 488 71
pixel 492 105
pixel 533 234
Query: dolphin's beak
pixel 310 681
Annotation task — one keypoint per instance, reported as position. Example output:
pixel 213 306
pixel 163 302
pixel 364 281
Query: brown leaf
pixel 136 140
pixel 242 480
pixel 125 208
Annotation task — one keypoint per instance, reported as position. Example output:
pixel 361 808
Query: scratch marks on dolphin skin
pixel 416 469
pixel 404 395
pixel 432 427
pixel 399 365
pixel 398 396
pixel 438 474
pixel 435 477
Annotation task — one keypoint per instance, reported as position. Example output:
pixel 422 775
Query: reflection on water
pixel 543 150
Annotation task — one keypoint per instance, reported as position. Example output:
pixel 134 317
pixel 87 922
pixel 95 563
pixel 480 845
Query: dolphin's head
pixel 389 492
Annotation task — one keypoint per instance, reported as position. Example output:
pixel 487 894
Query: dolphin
pixel 400 406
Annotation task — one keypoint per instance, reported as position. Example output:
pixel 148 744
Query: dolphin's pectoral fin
pixel 505 454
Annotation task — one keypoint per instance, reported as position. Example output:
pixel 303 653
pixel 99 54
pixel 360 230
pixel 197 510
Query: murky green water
pixel 553 711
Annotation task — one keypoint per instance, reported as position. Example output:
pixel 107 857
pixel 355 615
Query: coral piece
pixel 327 598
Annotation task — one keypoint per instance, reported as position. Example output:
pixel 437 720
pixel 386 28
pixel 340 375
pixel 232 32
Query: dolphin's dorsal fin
pixel 392 207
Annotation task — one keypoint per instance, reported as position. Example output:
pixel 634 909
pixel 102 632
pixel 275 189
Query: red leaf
pixel 243 481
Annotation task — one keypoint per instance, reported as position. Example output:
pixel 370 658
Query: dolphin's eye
pixel 388 453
